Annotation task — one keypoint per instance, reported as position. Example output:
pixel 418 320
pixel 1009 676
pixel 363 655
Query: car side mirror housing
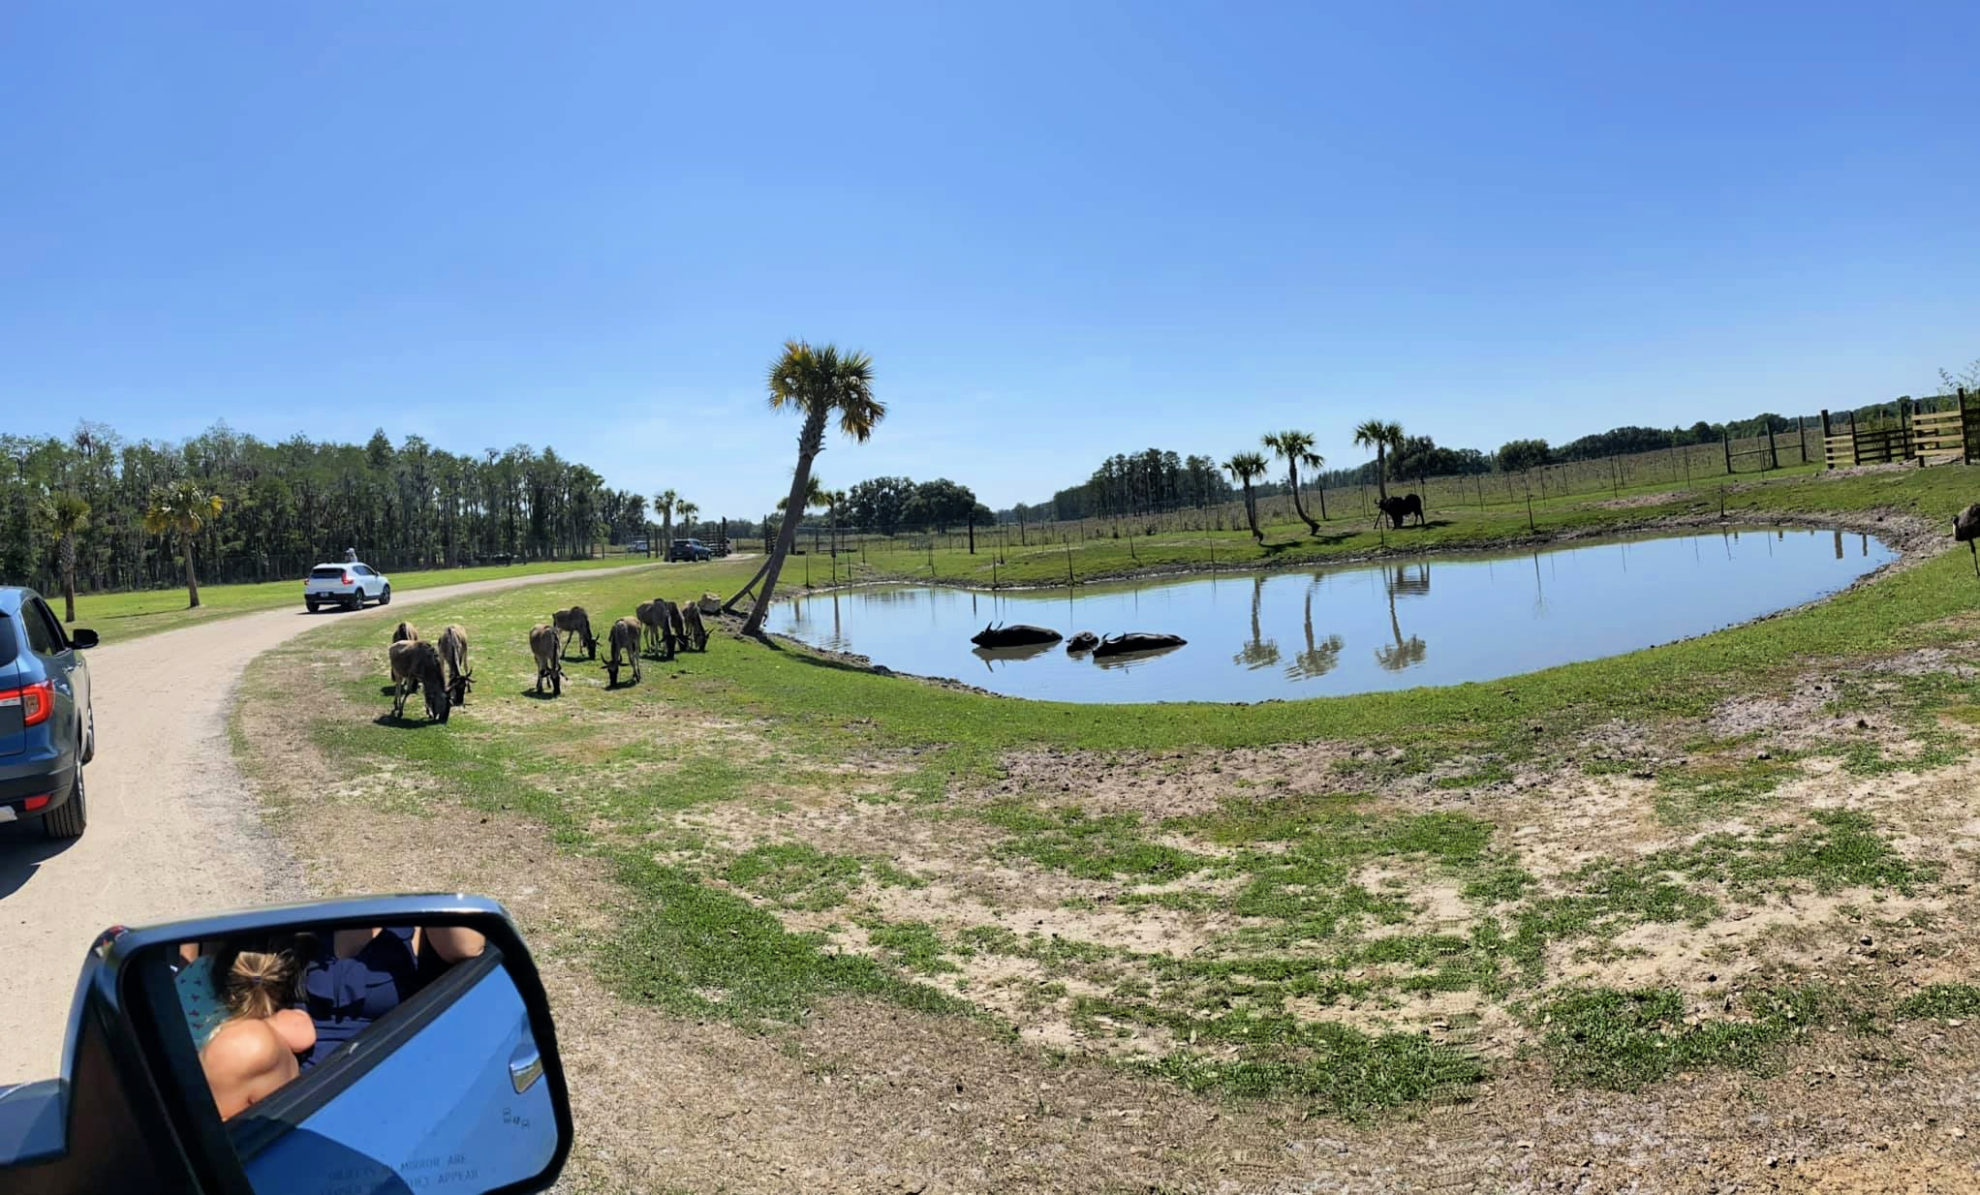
pixel 82 637
pixel 376 1045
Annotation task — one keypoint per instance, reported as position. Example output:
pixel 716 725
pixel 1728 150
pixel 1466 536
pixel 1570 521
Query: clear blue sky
pixel 1062 230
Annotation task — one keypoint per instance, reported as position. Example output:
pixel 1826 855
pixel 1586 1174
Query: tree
pixel 1381 437
pixel 68 514
pixel 183 509
pixel 817 382
pixel 687 510
pixel 1517 456
pixel 1246 467
pixel 814 496
pixel 664 503
pixel 1296 448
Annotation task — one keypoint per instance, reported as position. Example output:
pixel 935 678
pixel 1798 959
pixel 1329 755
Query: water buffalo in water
pixel 1401 507
pixel 1021 635
pixel 1120 645
pixel 1084 641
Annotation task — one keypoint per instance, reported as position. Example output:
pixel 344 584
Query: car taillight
pixel 36 702
pixel 349 580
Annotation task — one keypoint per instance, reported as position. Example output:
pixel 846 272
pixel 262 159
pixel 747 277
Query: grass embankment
pixel 121 616
pixel 1122 547
pixel 1355 902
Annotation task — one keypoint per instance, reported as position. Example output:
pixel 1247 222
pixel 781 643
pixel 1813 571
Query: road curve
pixel 174 830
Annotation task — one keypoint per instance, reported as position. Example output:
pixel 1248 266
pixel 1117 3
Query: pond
pixel 1357 629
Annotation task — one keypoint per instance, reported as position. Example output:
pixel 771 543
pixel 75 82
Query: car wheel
pixel 385 596
pixel 312 605
pixel 357 601
pixel 69 820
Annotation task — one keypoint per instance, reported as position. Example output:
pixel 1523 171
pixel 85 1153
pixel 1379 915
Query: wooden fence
pixel 1928 437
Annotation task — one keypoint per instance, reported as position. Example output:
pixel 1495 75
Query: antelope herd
pixel 439 669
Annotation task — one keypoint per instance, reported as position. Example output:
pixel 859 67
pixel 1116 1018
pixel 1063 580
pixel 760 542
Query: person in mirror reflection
pixel 352 977
pixel 256 1050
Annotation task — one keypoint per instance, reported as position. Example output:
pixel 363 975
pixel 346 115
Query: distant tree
pixel 664 503
pixel 688 512
pixel 67 515
pixel 1296 448
pixel 880 503
pixel 1383 437
pixel 1967 379
pixel 818 383
pixel 182 509
pixel 1517 456
pixel 1245 468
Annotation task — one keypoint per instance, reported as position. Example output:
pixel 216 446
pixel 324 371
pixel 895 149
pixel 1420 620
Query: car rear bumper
pixel 18 785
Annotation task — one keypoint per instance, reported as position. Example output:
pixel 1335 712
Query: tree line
pixel 111 513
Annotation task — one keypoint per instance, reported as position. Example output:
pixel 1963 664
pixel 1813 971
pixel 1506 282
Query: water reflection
pixel 1320 657
pixel 1257 651
pixel 992 656
pixel 1350 629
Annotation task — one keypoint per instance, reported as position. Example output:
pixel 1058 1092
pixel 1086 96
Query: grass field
pixel 119 616
pixel 1622 872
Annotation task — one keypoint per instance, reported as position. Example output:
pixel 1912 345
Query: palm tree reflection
pixel 1410 581
pixel 1257 652
pixel 1319 658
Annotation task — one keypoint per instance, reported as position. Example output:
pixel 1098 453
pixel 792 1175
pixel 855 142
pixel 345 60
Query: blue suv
pixel 47 732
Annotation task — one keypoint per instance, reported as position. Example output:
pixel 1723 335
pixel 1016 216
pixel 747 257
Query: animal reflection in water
pixel 991 656
pixel 1115 651
pixel 1408 580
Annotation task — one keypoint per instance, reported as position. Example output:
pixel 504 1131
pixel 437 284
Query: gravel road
pixel 174 830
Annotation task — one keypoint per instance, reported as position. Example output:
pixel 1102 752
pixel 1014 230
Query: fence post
pixel 1773 450
pixel 1826 462
pixel 1965 437
pixel 1801 438
pixel 1725 441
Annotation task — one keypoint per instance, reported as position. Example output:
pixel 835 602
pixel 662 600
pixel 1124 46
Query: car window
pixel 44 635
pixel 8 649
pixel 327 573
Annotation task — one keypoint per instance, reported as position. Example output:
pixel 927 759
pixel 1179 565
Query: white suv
pixel 347 585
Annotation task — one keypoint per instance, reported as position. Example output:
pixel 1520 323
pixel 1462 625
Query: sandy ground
pixel 173 829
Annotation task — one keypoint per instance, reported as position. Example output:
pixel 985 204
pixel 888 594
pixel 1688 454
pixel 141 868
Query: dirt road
pixel 173 828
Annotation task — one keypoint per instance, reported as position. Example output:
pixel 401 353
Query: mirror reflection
pixel 368 1059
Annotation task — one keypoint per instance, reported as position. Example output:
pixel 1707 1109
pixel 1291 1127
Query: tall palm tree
pixel 816 382
pixel 1296 448
pixel 835 501
pixel 1381 437
pixel 664 503
pixel 182 509
pixel 68 514
pixel 687 510
pixel 1245 468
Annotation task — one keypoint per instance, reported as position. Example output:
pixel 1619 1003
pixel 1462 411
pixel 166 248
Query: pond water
pixel 1330 631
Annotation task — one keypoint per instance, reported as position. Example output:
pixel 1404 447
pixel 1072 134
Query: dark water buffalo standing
pixel 1401 507
pixel 1120 645
pixel 625 636
pixel 1084 641
pixel 417 661
pixel 1021 635
pixel 1966 529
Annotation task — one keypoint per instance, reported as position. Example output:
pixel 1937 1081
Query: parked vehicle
pixel 348 584
pixel 47 728
pixel 454 1084
pixel 689 549
pixel 721 547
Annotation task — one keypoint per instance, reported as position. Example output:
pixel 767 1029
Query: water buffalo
pixel 1084 641
pixel 1120 645
pixel 1401 507
pixel 1021 635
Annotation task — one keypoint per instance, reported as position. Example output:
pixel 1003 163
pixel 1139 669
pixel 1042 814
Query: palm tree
pixel 664 503
pixel 1381 437
pixel 1407 653
pixel 1244 468
pixel 1257 651
pixel 68 514
pixel 1296 448
pixel 816 382
pixel 835 501
pixel 1320 657
pixel 182 509
pixel 687 510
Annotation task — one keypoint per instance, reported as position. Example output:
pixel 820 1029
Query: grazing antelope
pixel 549 664
pixel 453 653
pixel 416 662
pixel 625 636
pixel 574 623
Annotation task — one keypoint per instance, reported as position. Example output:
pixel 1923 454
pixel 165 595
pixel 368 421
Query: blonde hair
pixel 259 984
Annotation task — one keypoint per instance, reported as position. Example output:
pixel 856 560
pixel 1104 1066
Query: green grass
pixel 122 616
pixel 613 775
pixel 1942 1000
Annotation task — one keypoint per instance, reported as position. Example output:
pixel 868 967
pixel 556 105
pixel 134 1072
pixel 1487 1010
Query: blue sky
pixel 1062 230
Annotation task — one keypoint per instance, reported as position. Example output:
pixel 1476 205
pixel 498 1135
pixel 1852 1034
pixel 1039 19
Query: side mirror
pixel 377 1045
pixel 82 637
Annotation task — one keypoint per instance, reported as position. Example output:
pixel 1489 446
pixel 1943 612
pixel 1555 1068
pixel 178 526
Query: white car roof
pixel 336 564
